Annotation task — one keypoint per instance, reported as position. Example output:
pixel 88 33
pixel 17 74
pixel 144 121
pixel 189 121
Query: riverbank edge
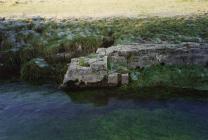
pixel 150 31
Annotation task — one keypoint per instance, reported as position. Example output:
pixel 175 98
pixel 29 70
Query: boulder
pixel 101 52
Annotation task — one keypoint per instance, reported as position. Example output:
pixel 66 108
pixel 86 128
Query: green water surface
pixel 44 113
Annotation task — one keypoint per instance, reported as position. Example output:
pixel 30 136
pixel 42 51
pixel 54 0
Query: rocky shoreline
pixel 113 66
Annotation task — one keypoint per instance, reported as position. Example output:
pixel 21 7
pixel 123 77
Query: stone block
pixel 125 79
pixel 75 60
pixel 113 79
pixel 101 51
pixel 99 65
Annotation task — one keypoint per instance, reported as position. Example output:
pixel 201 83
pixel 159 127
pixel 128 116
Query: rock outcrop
pixel 110 67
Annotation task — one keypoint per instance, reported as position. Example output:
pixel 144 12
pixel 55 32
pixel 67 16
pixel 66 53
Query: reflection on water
pixel 43 113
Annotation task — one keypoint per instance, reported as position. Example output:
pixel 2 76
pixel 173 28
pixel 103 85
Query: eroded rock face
pixel 110 66
pixel 144 55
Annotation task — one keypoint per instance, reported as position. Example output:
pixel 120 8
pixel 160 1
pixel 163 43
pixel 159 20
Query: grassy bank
pixel 57 41
pixel 186 77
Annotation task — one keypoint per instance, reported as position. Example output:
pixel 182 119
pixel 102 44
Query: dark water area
pixel 45 113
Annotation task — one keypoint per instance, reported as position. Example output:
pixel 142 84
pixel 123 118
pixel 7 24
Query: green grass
pixel 83 63
pixel 190 77
pixel 70 34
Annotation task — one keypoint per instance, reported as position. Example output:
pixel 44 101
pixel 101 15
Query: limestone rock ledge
pixel 110 67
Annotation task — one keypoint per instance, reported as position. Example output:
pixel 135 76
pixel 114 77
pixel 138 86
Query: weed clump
pixel 36 71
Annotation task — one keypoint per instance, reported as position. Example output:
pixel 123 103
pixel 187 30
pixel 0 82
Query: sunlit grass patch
pixel 93 8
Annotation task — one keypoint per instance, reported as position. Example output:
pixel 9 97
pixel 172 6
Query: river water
pixel 45 113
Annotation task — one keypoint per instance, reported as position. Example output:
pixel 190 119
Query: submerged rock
pixel 110 66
